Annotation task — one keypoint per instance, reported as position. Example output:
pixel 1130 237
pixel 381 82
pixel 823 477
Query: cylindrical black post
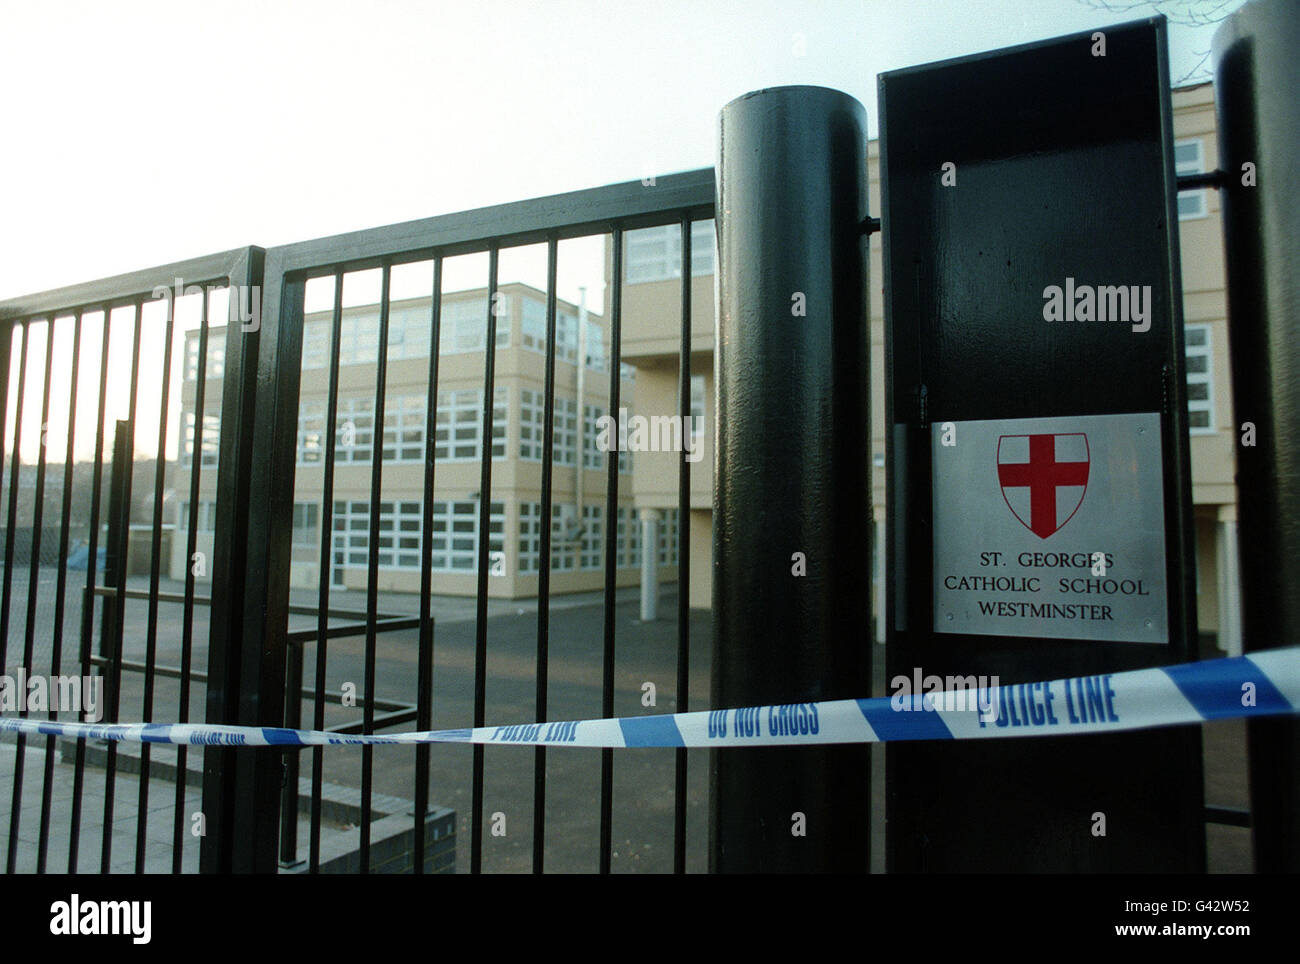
pixel 792 500
pixel 1257 74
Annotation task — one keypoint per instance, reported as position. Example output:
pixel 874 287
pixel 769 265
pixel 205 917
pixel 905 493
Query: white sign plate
pixel 1050 527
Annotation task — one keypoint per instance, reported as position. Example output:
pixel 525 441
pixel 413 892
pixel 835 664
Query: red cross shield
pixel 1043 478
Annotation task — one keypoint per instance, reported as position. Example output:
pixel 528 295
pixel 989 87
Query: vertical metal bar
pixel 6 345
pixel 326 570
pixel 289 793
pixel 372 583
pixel 155 555
pixel 110 641
pixel 10 528
pixel 484 521
pixel 33 585
pixel 544 557
pixel 60 588
pixel 611 549
pixel 88 591
pixel 13 502
pixel 424 681
pixel 1256 76
pixel 6 342
pixel 123 462
pixel 683 552
pixel 191 547
pixel 291 758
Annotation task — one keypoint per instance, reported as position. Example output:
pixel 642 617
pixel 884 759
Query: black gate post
pixel 1039 468
pixel 250 571
pixel 1257 74
pixel 792 491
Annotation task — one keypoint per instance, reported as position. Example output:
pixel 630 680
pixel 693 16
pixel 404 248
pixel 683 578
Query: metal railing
pixel 255 663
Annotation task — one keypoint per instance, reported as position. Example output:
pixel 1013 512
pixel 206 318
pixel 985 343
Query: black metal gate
pixel 242 441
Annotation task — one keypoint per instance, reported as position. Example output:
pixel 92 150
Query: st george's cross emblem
pixel 1043 478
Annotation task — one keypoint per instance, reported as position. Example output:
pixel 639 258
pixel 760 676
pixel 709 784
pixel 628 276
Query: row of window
pixel 655 254
pixel 455 525
pixel 464 329
pixel 1189 158
pixel 1200 378
pixel 458 430
pixel 460 422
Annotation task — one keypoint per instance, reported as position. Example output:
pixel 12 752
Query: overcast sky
pixel 138 133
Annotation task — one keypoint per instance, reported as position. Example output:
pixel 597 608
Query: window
pixel 216 356
pixel 210 437
pixel 595 347
pixel 533 334
pixel 531 413
pixel 698 410
pixel 460 424
pixel 532 421
pixel 351 534
pixel 566 336
pixel 629 538
pixel 592 456
pixel 564 556
pixel 464 325
pixel 306 519
pixel 359 338
pixel 530 535
pixel 533 325
pixel 408 331
pixel 591 548
pixel 455 534
pixel 567 552
pixel 668 540
pixel 399 535
pixel 311 431
pixel 315 344
pixel 454 547
pixel 1200 378
pixel 1189 158
pixel 566 431
pixel 354 430
pixel 655 254
pixel 404 429
pixel 408 337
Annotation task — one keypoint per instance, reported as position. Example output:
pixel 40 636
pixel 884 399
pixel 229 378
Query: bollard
pixel 792 505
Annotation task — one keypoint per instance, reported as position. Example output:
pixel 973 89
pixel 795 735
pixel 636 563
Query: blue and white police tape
pixel 1263 684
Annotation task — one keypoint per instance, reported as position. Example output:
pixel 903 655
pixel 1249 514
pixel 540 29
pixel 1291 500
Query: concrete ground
pixel 643 779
